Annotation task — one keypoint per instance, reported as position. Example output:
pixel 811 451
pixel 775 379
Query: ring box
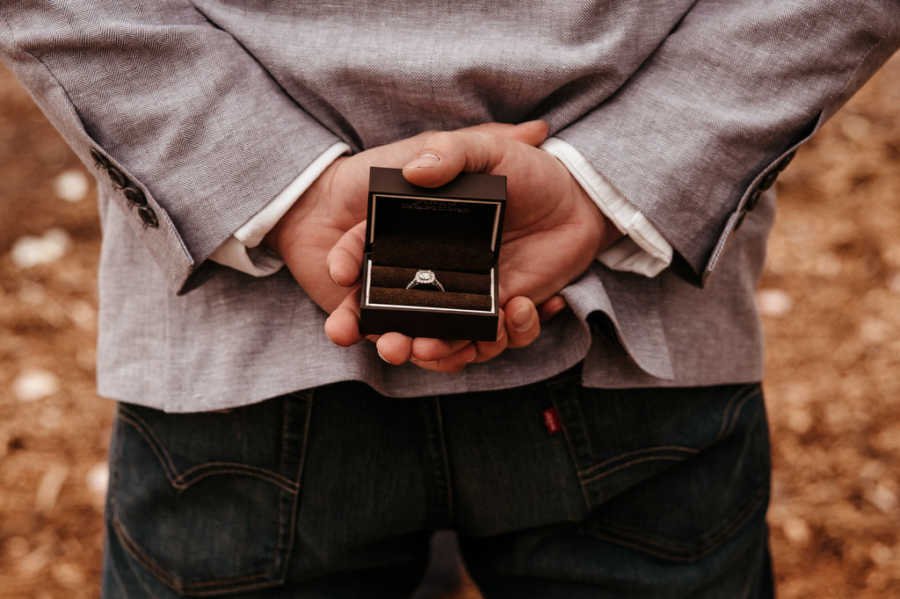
pixel 453 231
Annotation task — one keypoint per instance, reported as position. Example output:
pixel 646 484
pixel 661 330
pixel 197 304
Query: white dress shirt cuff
pixel 242 251
pixel 643 250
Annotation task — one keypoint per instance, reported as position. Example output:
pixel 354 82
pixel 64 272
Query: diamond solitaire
pixel 424 278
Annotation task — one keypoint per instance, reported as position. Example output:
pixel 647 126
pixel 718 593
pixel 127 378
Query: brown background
pixel 831 293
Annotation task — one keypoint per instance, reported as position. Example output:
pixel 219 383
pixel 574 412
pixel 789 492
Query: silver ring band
pixel 423 278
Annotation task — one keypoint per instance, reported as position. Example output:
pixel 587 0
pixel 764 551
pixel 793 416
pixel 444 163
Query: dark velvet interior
pixel 462 290
pixel 453 239
pixel 433 234
pixel 432 251
pixel 453 281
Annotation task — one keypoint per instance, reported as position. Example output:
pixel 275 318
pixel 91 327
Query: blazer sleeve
pixel 193 136
pixel 713 115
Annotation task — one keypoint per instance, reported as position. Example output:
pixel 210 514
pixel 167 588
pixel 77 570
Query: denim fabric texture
pixel 334 492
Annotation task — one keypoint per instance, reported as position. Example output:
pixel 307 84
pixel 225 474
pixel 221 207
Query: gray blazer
pixel 195 114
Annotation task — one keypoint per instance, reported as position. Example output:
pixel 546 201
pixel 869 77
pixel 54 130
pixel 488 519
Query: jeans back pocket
pixel 670 472
pixel 205 502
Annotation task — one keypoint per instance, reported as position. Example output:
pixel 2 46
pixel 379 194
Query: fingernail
pixel 426 160
pixel 521 319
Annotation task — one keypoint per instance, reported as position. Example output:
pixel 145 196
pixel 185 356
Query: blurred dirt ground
pixel 831 298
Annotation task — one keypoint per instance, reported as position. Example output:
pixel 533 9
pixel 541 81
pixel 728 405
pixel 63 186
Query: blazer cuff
pixel 241 251
pixel 643 250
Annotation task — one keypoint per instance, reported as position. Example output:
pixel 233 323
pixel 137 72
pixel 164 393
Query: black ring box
pixel 454 231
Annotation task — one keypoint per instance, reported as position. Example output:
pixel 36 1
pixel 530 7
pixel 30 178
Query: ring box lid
pixel 453 227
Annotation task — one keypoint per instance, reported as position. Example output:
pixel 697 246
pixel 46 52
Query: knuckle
pixel 486 148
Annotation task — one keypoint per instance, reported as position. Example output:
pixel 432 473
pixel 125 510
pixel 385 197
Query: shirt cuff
pixel 242 251
pixel 643 250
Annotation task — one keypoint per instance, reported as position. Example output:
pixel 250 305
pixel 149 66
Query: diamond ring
pixel 425 277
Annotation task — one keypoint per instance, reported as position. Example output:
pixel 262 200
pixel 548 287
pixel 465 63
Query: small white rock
pixel 799 420
pixel 35 384
pixel 871 470
pixel 29 251
pixel 68 575
pixel 883 498
pixel 796 530
pixel 875 330
pixel 34 562
pixel 774 302
pixel 97 479
pixel 49 487
pixel 83 314
pixel 880 553
pixel 855 126
pixel 71 185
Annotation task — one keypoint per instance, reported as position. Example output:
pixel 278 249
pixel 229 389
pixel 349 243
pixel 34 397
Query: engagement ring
pixel 425 277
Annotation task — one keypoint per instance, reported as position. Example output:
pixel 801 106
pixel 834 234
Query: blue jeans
pixel 556 491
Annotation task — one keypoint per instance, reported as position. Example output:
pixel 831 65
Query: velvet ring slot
pixel 452 231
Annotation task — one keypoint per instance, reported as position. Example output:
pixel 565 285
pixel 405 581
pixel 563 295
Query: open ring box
pixel 454 231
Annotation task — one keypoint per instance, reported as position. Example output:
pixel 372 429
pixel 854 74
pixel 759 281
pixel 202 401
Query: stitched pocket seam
pixel 287 549
pixel 733 409
pixel 672 550
pixel 659 448
pixel 662 456
pixel 192 475
pixel 253 581
pixel 268 575
pixel 737 411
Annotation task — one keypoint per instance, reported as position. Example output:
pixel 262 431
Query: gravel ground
pixel 831 299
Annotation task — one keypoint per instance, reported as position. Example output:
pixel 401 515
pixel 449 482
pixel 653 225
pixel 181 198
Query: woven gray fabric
pixel 210 108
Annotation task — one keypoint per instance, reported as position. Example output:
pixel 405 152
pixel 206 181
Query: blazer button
pixel 148 217
pixel 135 196
pixel 117 177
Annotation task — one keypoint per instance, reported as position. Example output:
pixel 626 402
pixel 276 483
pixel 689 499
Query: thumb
pixel 445 154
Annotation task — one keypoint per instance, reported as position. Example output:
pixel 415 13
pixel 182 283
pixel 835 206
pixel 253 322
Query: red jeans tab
pixel 551 420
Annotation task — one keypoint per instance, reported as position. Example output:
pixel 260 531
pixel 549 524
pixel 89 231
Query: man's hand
pixel 335 203
pixel 552 231
pixel 519 325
